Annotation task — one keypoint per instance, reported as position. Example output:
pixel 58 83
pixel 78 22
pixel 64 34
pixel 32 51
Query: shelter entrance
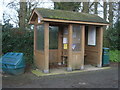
pixel 66 46
pixel 58 46
pixel 92 45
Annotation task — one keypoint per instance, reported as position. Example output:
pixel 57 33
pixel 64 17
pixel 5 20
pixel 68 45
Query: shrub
pixel 112 37
pixel 114 55
pixel 18 41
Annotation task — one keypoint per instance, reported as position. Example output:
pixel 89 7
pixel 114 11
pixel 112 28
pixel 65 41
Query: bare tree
pixel 85 7
pixel 118 11
pixel 105 10
pixel 96 8
pixel 26 8
pixel 22 15
pixel 22 12
pixel 111 13
pixel 13 6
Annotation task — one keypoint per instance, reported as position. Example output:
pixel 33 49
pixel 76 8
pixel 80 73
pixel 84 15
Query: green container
pixel 17 71
pixel 13 63
pixel 105 57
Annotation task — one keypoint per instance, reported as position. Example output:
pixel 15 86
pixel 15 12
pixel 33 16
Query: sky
pixel 1 10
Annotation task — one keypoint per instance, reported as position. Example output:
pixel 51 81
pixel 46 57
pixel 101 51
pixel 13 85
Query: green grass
pixel 114 56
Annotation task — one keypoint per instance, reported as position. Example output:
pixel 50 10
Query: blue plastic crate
pixel 13 63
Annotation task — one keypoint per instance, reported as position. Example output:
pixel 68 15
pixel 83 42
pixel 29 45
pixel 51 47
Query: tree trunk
pixel 28 13
pixel 22 15
pixel 105 13
pixel 96 8
pixel 119 11
pixel 85 7
pixel 105 10
pixel 111 14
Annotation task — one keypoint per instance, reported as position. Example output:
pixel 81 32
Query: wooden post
pixel 100 46
pixel 46 47
pixel 82 45
pixel 59 45
pixel 69 67
pixel 35 37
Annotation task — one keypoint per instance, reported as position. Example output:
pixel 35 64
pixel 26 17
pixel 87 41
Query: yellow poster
pixel 65 46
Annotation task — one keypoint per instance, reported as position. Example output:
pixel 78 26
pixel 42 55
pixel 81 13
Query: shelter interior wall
pixel 92 51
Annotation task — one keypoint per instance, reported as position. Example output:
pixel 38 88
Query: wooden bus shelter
pixel 78 38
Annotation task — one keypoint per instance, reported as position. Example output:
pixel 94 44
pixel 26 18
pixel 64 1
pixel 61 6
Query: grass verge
pixel 114 55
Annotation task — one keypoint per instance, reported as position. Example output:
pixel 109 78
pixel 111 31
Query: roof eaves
pixel 78 22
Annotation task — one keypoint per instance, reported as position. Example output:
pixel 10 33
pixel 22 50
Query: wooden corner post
pixel 35 35
pixel 35 39
pixel 100 46
pixel 82 45
pixel 69 67
pixel 46 47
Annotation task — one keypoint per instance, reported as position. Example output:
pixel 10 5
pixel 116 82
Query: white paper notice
pixel 64 40
pixel 92 35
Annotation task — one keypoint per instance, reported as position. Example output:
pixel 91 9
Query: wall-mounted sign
pixel 65 46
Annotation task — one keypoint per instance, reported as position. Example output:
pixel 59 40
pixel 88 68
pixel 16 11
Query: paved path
pixel 107 78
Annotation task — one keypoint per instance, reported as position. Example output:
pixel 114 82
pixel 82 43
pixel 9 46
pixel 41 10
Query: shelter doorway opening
pixel 92 39
pixel 58 46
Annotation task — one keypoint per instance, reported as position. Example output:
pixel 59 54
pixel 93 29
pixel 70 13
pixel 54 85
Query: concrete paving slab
pixel 62 70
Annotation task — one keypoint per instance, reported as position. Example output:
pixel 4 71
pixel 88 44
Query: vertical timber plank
pixel 69 67
pixel 46 47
